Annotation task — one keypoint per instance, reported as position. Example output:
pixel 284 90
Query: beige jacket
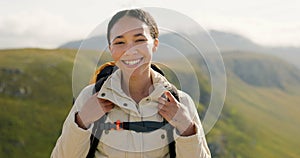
pixel 74 142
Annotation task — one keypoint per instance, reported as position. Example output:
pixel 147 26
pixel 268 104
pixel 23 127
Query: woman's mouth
pixel 132 62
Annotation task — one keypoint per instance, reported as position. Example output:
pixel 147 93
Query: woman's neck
pixel 137 86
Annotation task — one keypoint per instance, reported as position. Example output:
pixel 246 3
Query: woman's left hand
pixel 176 114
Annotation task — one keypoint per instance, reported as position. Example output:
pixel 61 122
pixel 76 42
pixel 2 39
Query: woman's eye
pixel 140 40
pixel 118 43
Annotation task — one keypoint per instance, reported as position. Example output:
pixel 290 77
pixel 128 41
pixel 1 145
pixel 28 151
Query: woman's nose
pixel 131 50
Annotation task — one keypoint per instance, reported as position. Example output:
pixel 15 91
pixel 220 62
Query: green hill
pixel 35 97
pixel 260 117
pixel 261 113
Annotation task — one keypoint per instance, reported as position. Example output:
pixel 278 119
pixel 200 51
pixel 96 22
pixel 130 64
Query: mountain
pixel 233 42
pixel 225 41
pixel 93 43
pixel 262 70
pixel 228 42
pixel 260 117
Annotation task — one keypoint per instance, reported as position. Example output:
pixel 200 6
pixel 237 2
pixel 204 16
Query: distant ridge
pixel 226 42
pixel 262 70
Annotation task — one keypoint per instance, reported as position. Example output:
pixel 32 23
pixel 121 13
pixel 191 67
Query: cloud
pixel 259 29
pixel 36 29
pixel 49 24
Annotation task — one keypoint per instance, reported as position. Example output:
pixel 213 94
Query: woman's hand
pixel 93 109
pixel 176 114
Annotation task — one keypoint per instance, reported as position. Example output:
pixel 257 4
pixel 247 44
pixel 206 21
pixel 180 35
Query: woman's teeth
pixel 132 62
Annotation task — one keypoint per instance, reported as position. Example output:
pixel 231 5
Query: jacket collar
pixel 113 86
pixel 114 82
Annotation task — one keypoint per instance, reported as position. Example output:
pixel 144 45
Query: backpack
pixel 101 75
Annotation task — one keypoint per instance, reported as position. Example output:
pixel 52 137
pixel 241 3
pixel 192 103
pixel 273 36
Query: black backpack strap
pixel 97 131
pixel 102 77
pixel 157 69
pixel 141 126
pixel 172 148
pixel 95 136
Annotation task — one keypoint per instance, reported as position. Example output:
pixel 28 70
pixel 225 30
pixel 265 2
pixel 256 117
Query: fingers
pixel 162 100
pixel 164 114
pixel 166 106
pixel 106 105
pixel 104 101
pixel 108 108
pixel 170 96
pixel 168 116
pixel 162 104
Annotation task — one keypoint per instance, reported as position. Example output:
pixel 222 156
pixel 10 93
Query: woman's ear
pixel 155 45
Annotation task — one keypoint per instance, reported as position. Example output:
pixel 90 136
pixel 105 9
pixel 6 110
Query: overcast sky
pixel 50 23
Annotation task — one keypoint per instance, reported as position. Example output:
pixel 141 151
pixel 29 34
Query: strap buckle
pixel 119 125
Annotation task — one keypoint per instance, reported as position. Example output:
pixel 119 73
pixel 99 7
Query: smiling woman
pixel 133 99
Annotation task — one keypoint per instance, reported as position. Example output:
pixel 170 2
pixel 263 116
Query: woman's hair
pixel 138 14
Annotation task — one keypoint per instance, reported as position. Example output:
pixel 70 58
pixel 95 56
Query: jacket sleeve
pixel 195 145
pixel 74 142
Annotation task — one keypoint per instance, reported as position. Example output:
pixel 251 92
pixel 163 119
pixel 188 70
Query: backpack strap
pixel 100 77
pixel 141 126
pixel 95 136
pixel 157 69
pixel 97 73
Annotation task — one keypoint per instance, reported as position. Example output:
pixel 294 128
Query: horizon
pixel 29 24
pixel 59 46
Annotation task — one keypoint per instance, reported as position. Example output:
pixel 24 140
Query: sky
pixel 50 23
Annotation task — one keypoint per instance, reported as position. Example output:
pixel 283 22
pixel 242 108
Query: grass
pixel 32 122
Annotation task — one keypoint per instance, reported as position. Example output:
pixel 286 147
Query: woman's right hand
pixel 93 109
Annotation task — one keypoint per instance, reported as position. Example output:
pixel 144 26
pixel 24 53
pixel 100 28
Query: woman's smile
pixel 133 62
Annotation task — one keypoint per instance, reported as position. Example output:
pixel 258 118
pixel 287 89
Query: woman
pixel 133 93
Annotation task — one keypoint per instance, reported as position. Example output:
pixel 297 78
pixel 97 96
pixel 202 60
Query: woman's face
pixel 132 45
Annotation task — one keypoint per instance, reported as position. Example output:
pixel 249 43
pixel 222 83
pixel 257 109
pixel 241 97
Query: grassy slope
pixel 267 125
pixel 256 121
pixel 31 123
